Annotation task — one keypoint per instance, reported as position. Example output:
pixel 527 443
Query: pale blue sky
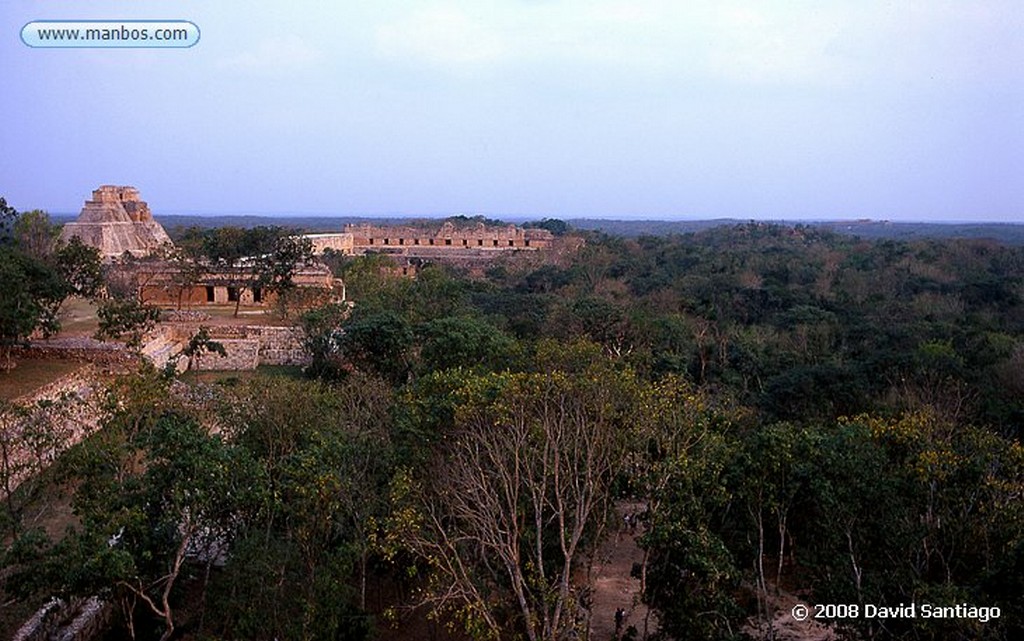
pixel 563 108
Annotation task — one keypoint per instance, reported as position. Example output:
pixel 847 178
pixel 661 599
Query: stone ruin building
pixel 161 284
pixel 116 221
pixel 446 240
pixel 427 241
pixel 411 246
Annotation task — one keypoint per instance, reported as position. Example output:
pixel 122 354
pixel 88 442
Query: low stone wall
pixel 50 420
pixel 240 354
pixel 162 344
pixel 85 350
pixel 80 382
pixel 276 345
pixel 80 620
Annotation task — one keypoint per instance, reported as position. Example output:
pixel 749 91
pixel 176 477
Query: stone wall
pixel 80 620
pixel 163 343
pixel 51 419
pixel 273 345
pixel 412 240
pixel 240 354
pixel 339 242
pixel 80 382
pixel 277 345
pixel 79 349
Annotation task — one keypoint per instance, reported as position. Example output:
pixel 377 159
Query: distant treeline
pixel 1007 233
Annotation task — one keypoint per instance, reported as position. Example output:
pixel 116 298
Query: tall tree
pixel 276 270
pixel 29 298
pixel 517 495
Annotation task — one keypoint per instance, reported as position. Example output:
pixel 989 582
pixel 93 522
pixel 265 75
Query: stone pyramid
pixel 115 221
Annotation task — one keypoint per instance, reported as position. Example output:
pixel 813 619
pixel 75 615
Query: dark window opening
pixel 526 242
pixel 431 241
pixel 415 241
pixel 386 241
pixel 447 241
pixel 371 241
pixel 464 242
pixel 257 295
pixel 209 294
pixel 401 241
pixel 480 242
pixel 232 294
pixel 511 243
pixel 495 242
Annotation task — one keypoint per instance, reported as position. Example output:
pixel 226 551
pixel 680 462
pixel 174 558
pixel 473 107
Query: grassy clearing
pixel 229 377
pixel 78 318
pixel 31 374
pixel 225 315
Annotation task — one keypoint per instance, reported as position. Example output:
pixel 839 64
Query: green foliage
pixel 519 493
pixel 125 318
pixel 322 326
pixel 38 276
pixel 8 217
pixel 553 225
pixel 325 461
pixel 34 234
pixel 201 343
pixel 463 342
pixel 276 269
pixel 714 370
pixel 379 343
pixel 80 267
pixel 29 297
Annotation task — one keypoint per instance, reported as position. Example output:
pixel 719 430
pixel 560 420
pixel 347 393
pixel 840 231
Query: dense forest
pixel 798 410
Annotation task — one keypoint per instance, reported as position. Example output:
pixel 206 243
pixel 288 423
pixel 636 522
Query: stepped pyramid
pixel 115 221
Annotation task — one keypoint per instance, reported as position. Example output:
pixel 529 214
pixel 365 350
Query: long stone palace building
pixel 429 241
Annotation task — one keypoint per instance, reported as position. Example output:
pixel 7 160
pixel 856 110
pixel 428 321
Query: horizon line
pixel 595 218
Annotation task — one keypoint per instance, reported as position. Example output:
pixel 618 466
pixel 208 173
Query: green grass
pixel 31 374
pixel 225 314
pixel 78 318
pixel 228 377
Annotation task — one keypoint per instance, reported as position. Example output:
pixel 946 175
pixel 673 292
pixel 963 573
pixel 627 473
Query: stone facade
pixel 343 243
pixel 161 285
pixel 247 346
pixel 86 350
pixel 80 620
pixel 414 241
pixel 241 354
pixel 69 407
pixel 116 221
pixel 277 345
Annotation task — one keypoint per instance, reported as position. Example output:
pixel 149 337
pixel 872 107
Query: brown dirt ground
pixel 612 587
pixel 30 374
pixel 785 627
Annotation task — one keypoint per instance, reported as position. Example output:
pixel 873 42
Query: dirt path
pixel 612 587
pixel 784 626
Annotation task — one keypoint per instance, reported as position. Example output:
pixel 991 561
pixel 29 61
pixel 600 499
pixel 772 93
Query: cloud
pixel 752 46
pixel 441 36
pixel 286 53
pixel 740 42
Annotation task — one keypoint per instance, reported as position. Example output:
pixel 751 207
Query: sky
pixel 656 109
